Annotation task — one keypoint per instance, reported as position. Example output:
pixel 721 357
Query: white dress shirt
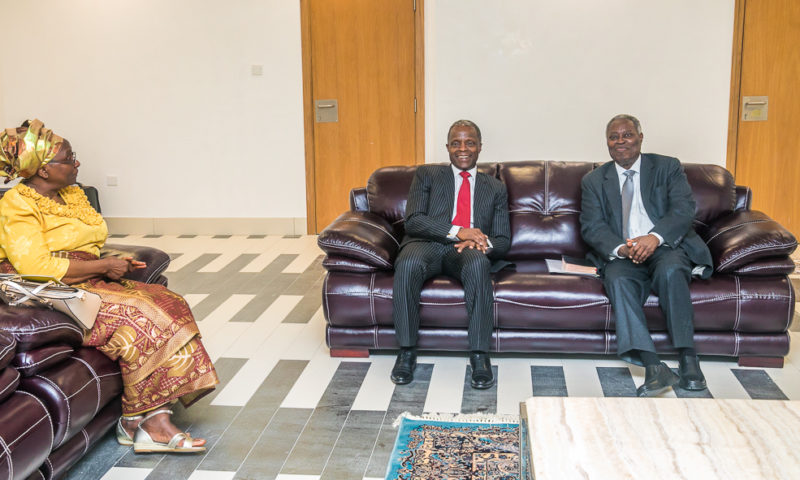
pixel 639 223
pixel 458 180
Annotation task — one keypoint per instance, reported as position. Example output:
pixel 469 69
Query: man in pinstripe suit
pixel 456 224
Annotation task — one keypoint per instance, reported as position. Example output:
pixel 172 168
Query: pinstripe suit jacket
pixel 429 210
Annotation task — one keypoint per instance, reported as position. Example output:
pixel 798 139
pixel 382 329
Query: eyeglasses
pixel 70 160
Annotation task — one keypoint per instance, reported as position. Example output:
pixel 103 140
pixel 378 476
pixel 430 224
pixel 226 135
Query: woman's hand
pixel 116 267
pixel 134 264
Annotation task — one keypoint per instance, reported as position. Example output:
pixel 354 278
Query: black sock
pixel 649 359
pixel 688 352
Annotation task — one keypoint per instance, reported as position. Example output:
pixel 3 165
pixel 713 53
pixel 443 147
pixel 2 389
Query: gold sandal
pixel 144 443
pixel 122 435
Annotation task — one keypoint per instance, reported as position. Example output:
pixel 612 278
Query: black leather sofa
pixel 744 310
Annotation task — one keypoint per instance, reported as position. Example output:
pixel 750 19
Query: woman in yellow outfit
pixel 48 227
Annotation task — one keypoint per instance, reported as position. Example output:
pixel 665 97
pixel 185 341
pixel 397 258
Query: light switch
pixel 111 180
pixel 256 70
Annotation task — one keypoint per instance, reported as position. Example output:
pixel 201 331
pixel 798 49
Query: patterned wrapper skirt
pixel 151 332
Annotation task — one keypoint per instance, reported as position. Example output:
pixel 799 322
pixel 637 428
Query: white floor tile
pixel 721 381
pixel 220 262
pixel 214 321
pixel 247 343
pixel 311 384
pixel 261 261
pixel 447 384
pixel 124 473
pixel 211 475
pixel 787 379
pixel 310 339
pixel 252 374
pixel 286 476
pixel 377 388
pixel 194 298
pixel 513 383
pixel 581 378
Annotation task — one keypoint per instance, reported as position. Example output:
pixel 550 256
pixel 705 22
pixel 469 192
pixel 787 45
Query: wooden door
pixel 366 55
pixel 765 155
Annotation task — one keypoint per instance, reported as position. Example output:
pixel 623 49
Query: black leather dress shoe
pixel 403 371
pixel 482 376
pixel 691 376
pixel 657 378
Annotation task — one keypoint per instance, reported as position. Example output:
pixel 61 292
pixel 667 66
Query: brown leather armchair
pixel 743 310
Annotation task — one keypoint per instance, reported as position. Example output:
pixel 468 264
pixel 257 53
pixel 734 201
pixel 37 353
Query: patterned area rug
pixel 473 447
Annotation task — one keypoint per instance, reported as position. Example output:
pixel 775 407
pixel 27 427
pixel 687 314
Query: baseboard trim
pixel 206 226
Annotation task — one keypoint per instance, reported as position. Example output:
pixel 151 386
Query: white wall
pixel 159 93
pixel 541 78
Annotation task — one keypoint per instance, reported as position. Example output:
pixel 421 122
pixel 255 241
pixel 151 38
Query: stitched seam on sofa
pixel 7 453
pixel 738 303
pixel 66 398
pixel 731 227
pixel 607 337
pixel 9 384
pixel 369 224
pixel 337 246
pixel 10 346
pixel 564 307
pixel 156 272
pixel 363 268
pixel 791 302
pixel 375 336
pixel 608 317
pixel 547 188
pixel 46 415
pixel 49 463
pixel 85 437
pixel 750 252
pixel 752 268
pixel 441 303
pixel 97 382
pixel 325 294
pixel 736 344
pixel 45 359
pixel 32 331
pixel 372 298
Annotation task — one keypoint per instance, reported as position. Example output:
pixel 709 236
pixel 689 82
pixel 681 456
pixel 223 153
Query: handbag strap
pixel 27 294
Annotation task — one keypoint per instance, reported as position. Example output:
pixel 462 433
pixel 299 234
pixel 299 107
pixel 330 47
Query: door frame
pixel 308 101
pixel 735 104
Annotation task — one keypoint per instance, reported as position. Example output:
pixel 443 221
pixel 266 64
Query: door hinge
pixel 415 5
pixel 415 104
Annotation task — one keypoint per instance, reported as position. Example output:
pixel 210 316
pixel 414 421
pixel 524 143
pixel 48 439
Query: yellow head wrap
pixel 25 149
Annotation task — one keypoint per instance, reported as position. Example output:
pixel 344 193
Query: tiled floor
pixel 286 410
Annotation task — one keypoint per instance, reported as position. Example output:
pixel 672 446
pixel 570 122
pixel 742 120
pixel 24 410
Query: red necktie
pixel 462 205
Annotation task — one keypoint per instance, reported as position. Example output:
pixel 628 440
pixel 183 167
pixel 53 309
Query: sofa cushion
pixel 747 236
pixel 363 236
pixel 9 380
pixel 764 267
pixel 8 347
pixel 544 200
pixel 26 434
pixel 338 263
pixel 34 327
pixel 75 389
pixel 713 189
pixel 33 361
pixel 156 260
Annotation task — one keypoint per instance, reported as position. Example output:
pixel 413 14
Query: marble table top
pixel 655 438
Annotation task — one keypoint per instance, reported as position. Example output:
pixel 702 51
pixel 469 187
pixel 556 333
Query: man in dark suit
pixel 456 224
pixel 636 215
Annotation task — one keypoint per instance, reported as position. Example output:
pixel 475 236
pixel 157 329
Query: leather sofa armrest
pixel 361 236
pixel 358 200
pixel 34 327
pixel 746 236
pixel 157 261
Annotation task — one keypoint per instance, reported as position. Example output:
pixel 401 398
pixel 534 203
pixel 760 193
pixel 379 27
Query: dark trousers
pixel 419 261
pixel 668 273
